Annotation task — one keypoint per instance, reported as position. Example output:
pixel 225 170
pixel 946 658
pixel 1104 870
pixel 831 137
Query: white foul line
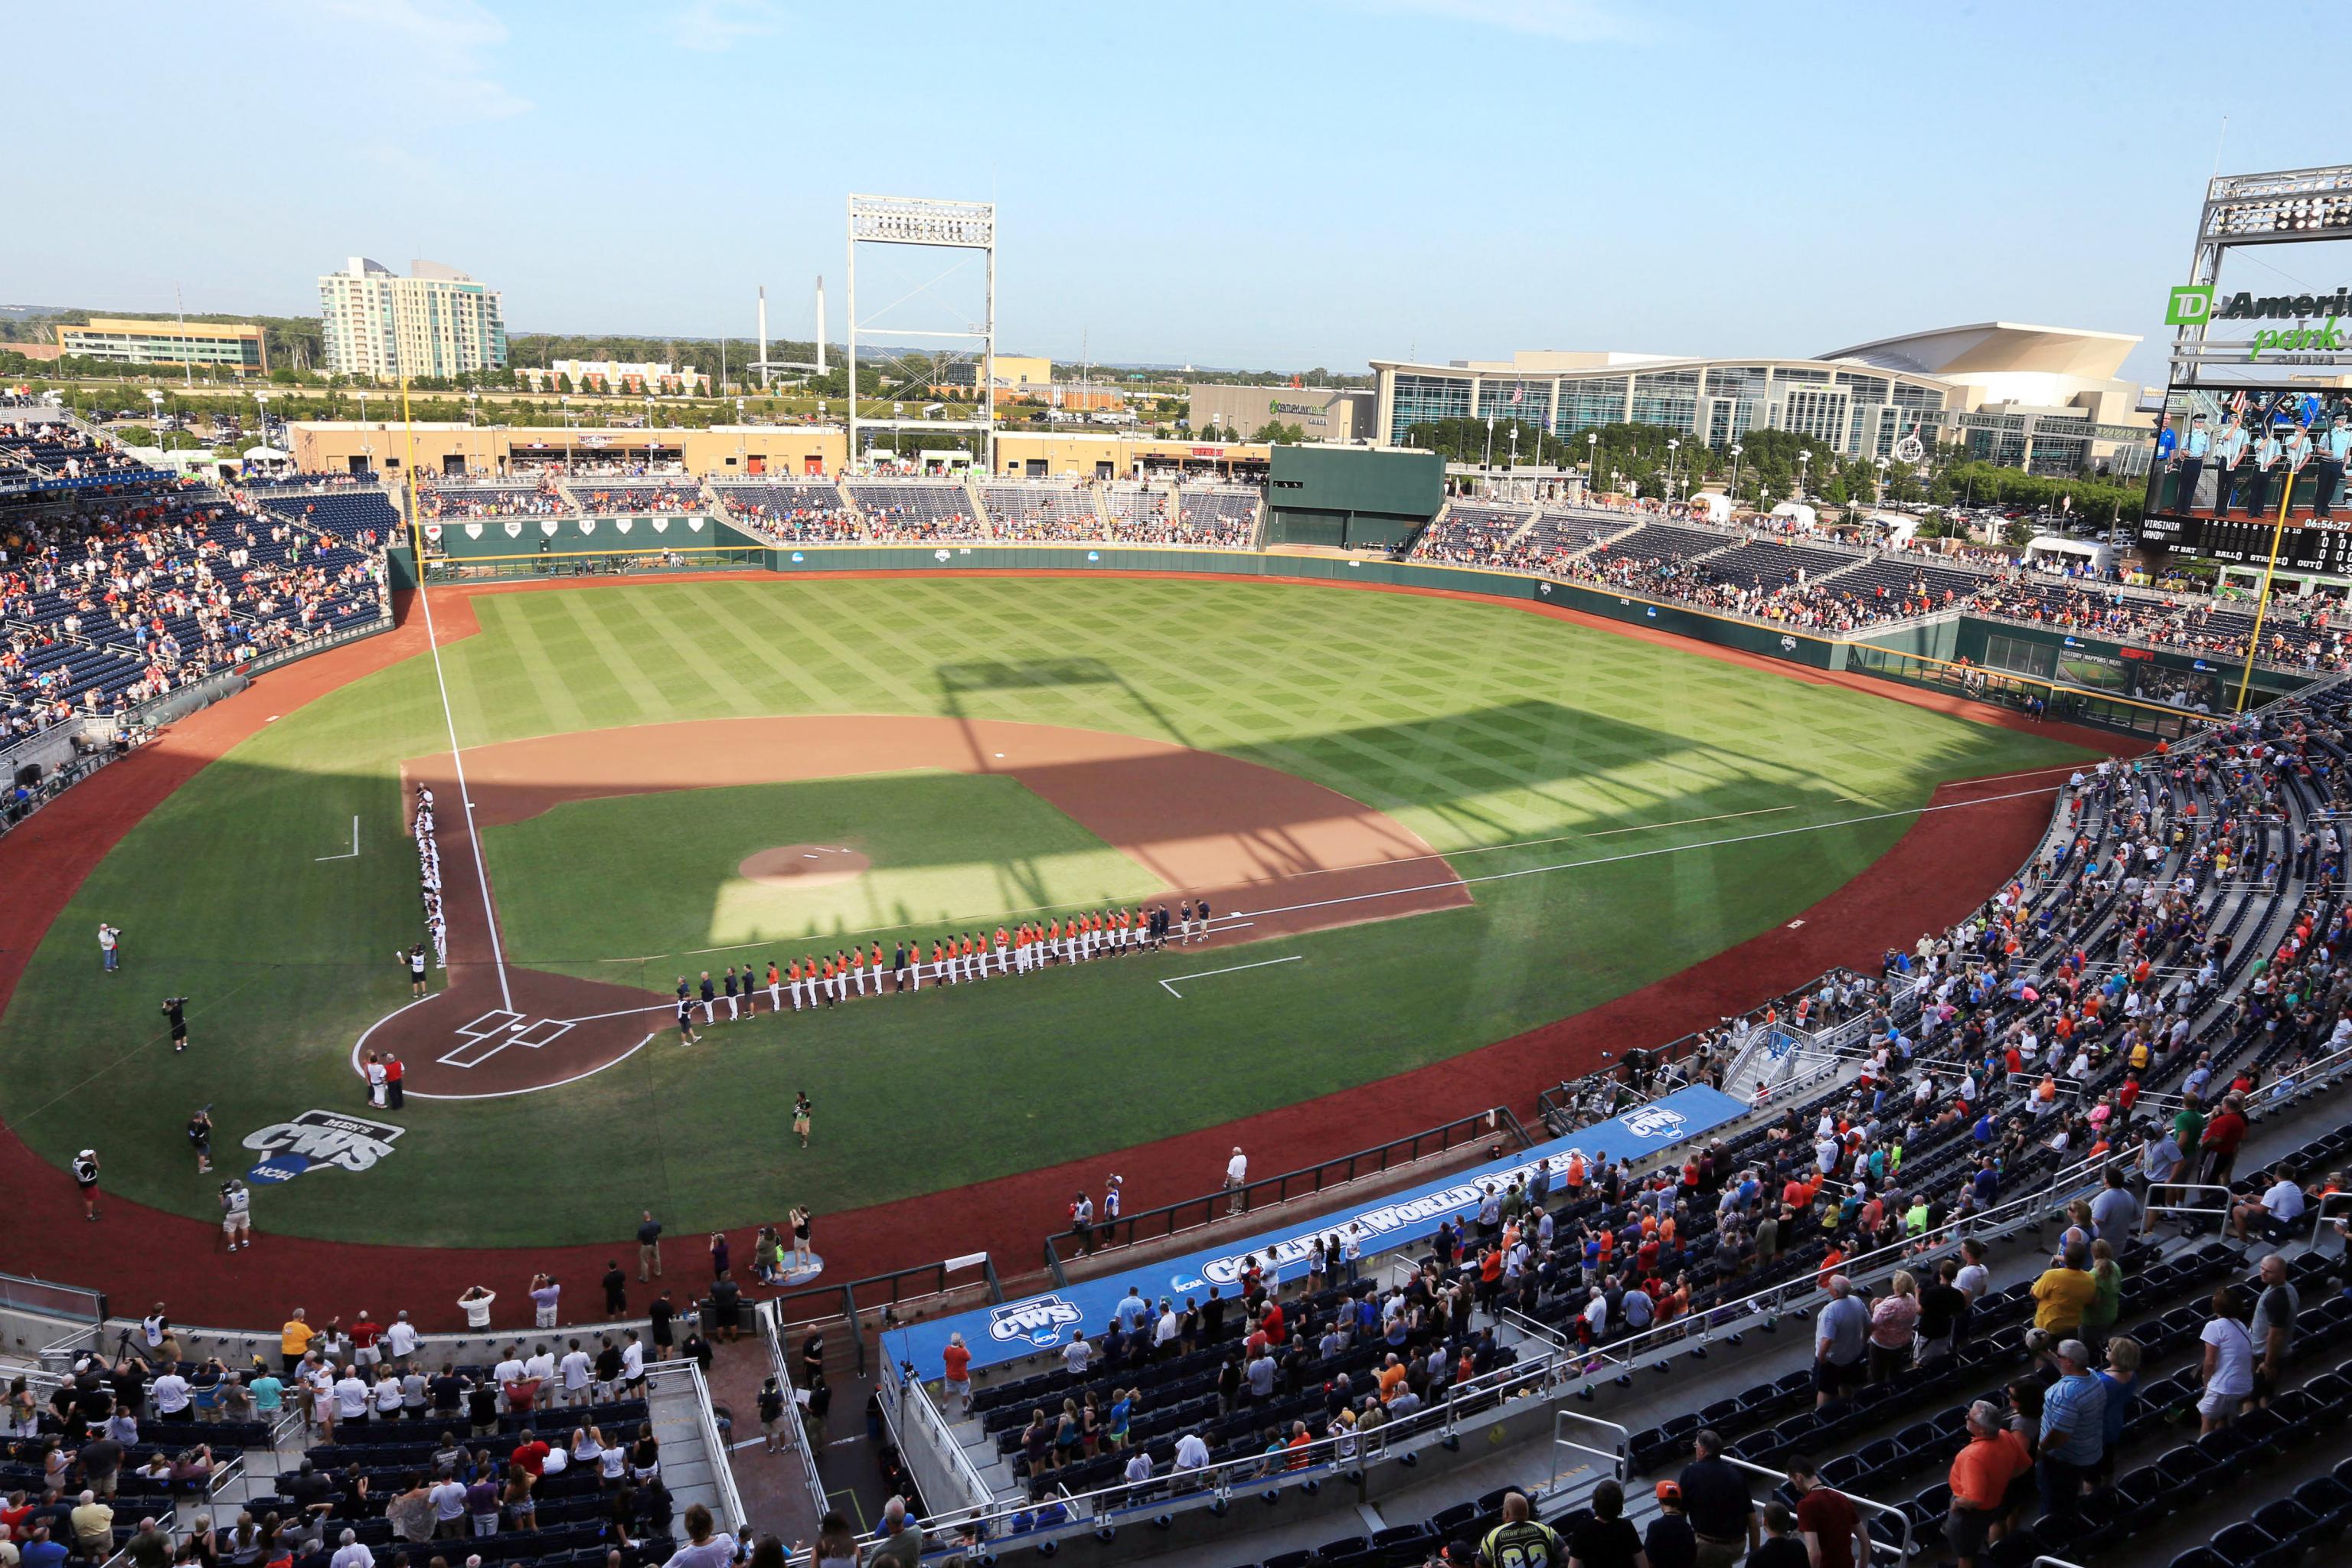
pixel 465 798
pixel 355 846
pixel 1645 854
pixel 1169 985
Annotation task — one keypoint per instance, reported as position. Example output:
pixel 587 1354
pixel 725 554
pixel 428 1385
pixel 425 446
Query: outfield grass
pixel 947 851
pixel 1509 741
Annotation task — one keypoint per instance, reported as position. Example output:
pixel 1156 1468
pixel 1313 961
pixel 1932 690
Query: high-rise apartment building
pixel 435 321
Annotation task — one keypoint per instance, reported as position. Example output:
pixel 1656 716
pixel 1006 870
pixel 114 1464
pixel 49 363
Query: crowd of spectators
pixel 1049 511
pixel 791 512
pixel 602 501
pixel 537 500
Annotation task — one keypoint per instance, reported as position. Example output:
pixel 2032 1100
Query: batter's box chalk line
pixel 495 1030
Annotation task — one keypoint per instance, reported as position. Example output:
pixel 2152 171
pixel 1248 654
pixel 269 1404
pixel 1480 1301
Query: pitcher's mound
pixel 804 866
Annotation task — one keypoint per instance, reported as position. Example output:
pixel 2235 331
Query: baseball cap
pixel 1670 1491
pixel 87 1154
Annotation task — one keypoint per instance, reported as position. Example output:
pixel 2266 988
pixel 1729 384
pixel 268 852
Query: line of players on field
pixel 814 982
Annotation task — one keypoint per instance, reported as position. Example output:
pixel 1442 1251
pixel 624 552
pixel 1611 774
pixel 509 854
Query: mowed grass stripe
pixel 1479 726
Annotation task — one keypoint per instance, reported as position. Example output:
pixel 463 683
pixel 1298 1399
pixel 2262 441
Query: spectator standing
pixel 1980 1477
pixel 2273 1330
pixel 1236 1178
pixel 2228 1370
pixel 1827 1520
pixel 649 1248
pixel 1722 1513
pixel 1841 1344
pixel 1894 1319
pixel 2073 1428
pixel 1670 1542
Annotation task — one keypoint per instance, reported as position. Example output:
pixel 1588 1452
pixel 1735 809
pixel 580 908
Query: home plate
pixel 518 1026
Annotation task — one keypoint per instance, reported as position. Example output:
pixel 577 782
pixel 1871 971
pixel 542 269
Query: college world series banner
pixel 1020 1328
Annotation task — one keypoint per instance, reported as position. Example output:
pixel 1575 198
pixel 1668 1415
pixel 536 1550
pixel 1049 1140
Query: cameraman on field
pixel 175 1009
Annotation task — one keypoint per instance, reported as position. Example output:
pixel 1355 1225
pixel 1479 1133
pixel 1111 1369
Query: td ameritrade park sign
pixel 2196 305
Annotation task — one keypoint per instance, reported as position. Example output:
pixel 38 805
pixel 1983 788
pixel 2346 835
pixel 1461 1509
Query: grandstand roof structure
pixel 1985 348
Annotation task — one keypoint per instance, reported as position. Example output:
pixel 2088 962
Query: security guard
pixel 2269 454
pixel 2231 453
pixel 2191 466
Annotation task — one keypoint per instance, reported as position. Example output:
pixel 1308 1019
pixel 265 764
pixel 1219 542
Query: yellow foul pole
pixel 2263 598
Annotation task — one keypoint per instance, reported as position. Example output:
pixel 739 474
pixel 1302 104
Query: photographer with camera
pixel 200 1138
pixel 175 1009
pixel 85 1175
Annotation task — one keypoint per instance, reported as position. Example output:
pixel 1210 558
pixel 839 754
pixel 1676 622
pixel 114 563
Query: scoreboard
pixel 2302 547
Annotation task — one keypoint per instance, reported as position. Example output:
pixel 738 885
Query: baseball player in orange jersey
pixel 858 968
pixel 836 979
pixel 792 978
pixel 876 967
pixel 975 958
pixel 775 987
pixel 938 962
pixel 1003 951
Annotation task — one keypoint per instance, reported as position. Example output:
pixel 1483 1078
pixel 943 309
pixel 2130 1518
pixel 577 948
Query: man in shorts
pixel 1200 912
pixel 175 1009
pixel 85 1175
pixel 200 1139
pixel 802 1110
pixel 956 1363
pixel 686 1035
pixel 237 1214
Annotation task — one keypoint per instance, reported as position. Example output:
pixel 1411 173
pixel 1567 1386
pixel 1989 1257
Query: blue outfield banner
pixel 1020 1328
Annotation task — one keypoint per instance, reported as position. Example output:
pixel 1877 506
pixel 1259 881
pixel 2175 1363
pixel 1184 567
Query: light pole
pixel 1672 447
pixel 1735 476
pixel 567 435
pixel 1488 461
pixel 1592 460
pixel 156 398
pixel 1878 497
pixel 261 415
pixel 1515 447
pixel 1803 457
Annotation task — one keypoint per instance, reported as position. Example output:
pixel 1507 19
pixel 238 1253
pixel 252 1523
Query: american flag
pixel 1519 393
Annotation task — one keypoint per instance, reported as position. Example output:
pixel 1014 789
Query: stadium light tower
pixel 931 225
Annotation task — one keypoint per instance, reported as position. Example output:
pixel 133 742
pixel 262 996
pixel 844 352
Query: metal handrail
pixel 723 1474
pixel 772 1334
pixel 2319 1215
pixel 847 1294
pixel 2081 1176
pixel 1220 1481
pixel 917 1410
pixel 2184 1188
pixel 1620 1465
pixel 1902 1551
pixel 1210 1208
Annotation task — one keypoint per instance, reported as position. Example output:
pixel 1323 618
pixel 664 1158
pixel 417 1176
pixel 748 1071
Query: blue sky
pixel 1293 182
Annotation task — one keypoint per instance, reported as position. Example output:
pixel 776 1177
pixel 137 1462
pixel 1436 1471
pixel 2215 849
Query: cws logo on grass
pixel 318 1138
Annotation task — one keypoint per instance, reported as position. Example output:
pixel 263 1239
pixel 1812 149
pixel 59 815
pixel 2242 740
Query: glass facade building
pixel 1858 411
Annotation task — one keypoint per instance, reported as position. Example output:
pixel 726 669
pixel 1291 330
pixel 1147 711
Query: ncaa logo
pixel 1039 1321
pixel 1651 1121
pixel 2191 305
pixel 1788 644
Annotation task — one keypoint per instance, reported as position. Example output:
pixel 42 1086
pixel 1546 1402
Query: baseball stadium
pixel 1249 1004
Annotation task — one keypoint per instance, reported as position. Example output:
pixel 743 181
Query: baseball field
pixel 1425 823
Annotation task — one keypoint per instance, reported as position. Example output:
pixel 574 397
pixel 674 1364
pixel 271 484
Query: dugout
pixel 1351 497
